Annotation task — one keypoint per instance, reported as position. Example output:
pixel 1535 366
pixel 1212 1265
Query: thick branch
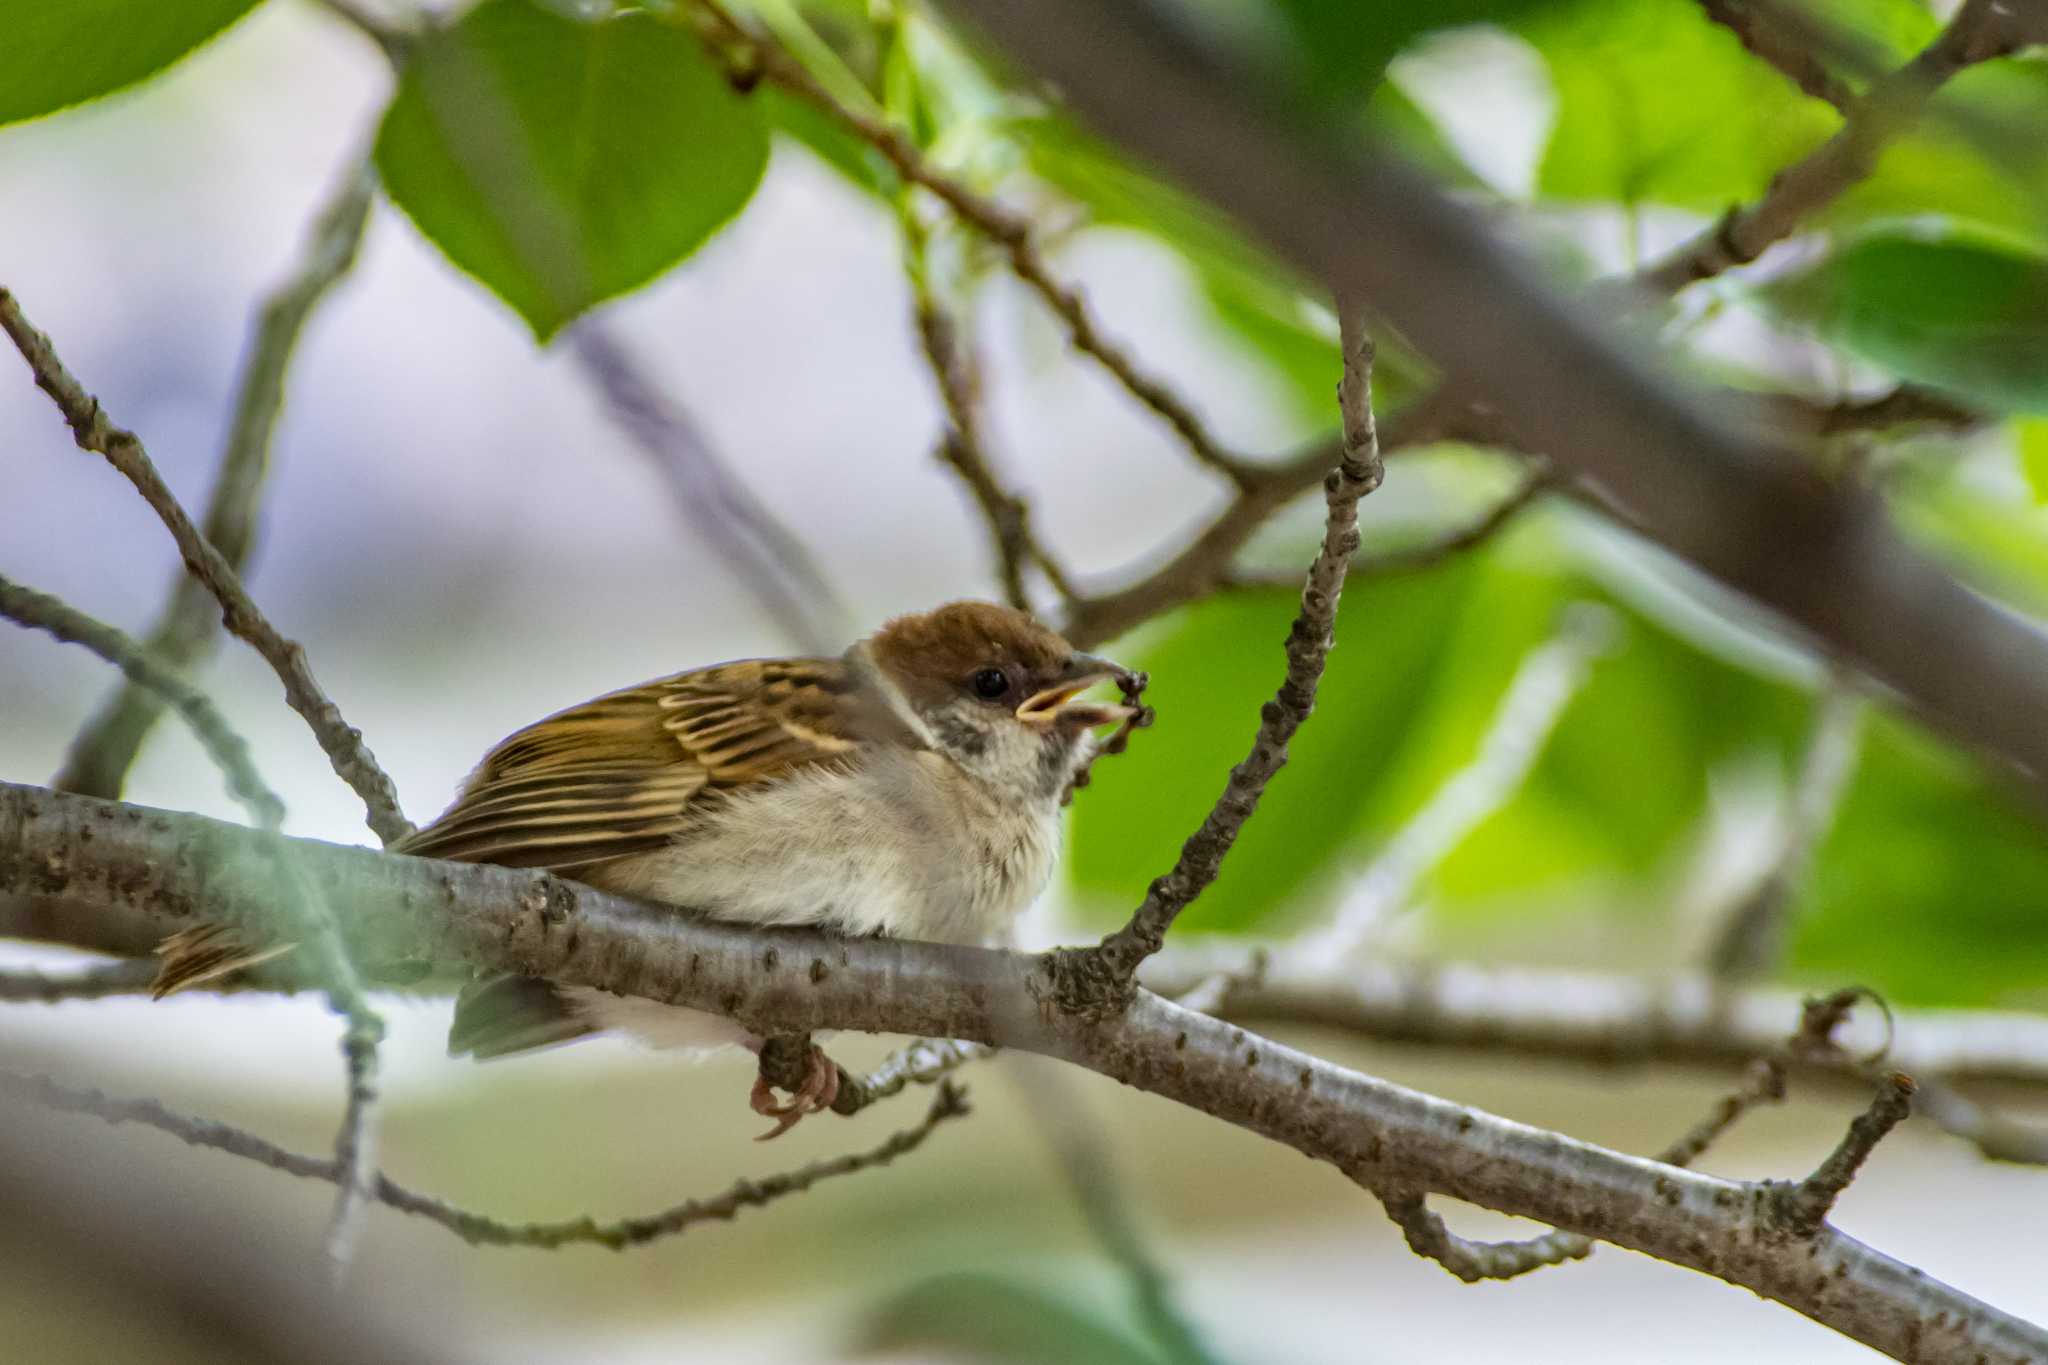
pixel 183 866
pixel 1749 513
pixel 95 432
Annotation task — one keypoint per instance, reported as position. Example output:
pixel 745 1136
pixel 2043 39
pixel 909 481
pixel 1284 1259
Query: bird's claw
pixel 816 1094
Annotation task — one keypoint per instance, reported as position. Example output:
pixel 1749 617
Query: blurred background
pixel 464 540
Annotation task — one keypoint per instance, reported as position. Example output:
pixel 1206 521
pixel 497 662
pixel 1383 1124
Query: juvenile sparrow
pixel 910 787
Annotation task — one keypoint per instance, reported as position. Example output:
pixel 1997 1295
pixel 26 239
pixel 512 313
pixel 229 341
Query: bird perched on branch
pixel 910 787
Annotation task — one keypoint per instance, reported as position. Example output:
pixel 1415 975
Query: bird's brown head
pixel 997 690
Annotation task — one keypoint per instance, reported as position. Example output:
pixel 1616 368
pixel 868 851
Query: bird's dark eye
pixel 989 684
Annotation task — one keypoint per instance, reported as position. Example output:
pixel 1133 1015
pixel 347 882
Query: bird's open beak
pixel 1061 703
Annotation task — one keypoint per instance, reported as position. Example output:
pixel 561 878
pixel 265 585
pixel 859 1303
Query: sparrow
pixel 910 787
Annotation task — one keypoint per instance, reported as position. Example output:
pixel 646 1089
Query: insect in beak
pixel 1060 705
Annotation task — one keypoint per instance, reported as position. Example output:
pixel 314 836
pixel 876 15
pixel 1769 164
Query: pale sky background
pixel 463 544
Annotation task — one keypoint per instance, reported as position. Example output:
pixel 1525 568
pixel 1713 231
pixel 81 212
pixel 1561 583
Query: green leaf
pixel 1933 885
pixel 563 163
pixel 997 1319
pixel 56 53
pixel 1657 104
pixel 1213 668
pixel 1998 544
pixel 1959 310
pixel 2030 437
pixel 1342 47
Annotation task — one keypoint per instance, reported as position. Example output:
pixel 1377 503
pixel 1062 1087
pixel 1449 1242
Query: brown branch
pixel 769 559
pixel 475 1228
pixel 181 867
pixel 94 432
pixel 1360 471
pixel 1978 32
pixel 752 57
pixel 1785 42
pixel 957 378
pixel 187 627
pixel 305 907
pixel 1805 1206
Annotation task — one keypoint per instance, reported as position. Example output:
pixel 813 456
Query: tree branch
pixel 187 627
pixel 1746 511
pixel 475 1228
pixel 1782 41
pixel 95 432
pixel 182 867
pixel 1308 648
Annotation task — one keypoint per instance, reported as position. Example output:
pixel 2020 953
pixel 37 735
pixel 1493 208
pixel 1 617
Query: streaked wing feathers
pixel 625 773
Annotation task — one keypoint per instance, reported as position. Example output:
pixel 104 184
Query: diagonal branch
pixel 1784 41
pixel 186 629
pixel 182 867
pixel 95 432
pixel 475 1228
pixel 1308 649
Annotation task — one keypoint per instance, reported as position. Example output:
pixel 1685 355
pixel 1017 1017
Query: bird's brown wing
pixel 625 773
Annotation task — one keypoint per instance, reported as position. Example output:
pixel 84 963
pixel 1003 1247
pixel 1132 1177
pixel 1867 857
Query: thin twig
pixel 1308 647
pixel 187 627
pixel 921 1063
pixel 769 559
pixel 1978 32
pixel 1752 940
pixel 475 1228
pixel 759 57
pixel 305 906
pixel 1805 1205
pixel 957 377
pixel 94 432
pixel 1542 687
pixel 129 976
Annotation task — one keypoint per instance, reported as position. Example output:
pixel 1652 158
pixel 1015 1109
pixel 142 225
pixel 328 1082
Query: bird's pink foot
pixel 819 1089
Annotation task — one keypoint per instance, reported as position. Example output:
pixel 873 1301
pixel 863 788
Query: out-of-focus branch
pixel 753 56
pixel 1753 938
pixel 95 432
pixel 1748 512
pixel 304 906
pixel 768 558
pixel 475 1228
pixel 957 378
pixel 1785 41
pixel 186 629
pixel 1104 974
pixel 130 976
pixel 1979 31
pixel 1536 698
pixel 773 982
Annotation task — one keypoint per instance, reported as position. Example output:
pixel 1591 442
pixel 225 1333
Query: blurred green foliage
pixel 563 157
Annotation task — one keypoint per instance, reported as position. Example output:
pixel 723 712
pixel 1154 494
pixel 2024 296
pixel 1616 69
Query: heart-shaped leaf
pixel 562 163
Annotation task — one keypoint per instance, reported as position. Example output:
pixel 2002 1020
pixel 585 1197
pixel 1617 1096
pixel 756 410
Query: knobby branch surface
pixel 759 57
pixel 955 373
pixel 475 1228
pixel 188 626
pixel 770 560
pixel 1980 30
pixel 183 867
pixel 304 905
pixel 95 432
pixel 1308 646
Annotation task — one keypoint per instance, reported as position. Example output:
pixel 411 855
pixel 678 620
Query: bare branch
pixel 94 432
pixel 1805 1206
pixel 183 867
pixel 921 1063
pixel 1977 33
pixel 305 908
pixel 761 58
pixel 1308 648
pixel 1472 1261
pixel 1752 940
pixel 1782 40
pixel 769 559
pixel 958 380
pixel 475 1228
